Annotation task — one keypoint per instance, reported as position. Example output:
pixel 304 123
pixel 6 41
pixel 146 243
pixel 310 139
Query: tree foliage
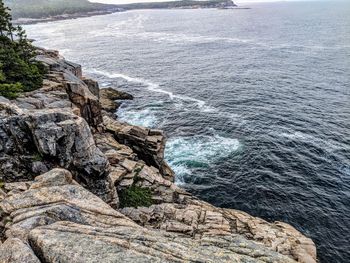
pixel 18 71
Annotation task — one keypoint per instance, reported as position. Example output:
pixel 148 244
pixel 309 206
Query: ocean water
pixel 256 102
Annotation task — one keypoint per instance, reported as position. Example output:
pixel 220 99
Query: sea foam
pixel 185 154
pixel 150 86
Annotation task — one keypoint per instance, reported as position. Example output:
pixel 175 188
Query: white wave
pixel 149 85
pixel 65 51
pixel 295 135
pixel 210 109
pixel 181 38
pixel 181 172
pixel 304 137
pixel 186 153
pixel 141 118
pixel 128 27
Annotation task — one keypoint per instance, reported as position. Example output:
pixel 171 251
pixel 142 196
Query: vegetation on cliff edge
pixel 18 70
pixel 135 196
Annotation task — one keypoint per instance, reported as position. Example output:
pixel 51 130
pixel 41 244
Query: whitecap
pixel 180 38
pixel 149 85
pixel 143 117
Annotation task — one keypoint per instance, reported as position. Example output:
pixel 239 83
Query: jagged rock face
pixel 53 218
pixel 42 129
pixel 56 220
pixel 60 136
pixel 149 144
pixel 88 104
pixel 93 86
pixel 84 94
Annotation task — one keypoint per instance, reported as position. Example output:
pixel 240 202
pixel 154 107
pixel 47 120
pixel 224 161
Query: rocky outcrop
pixel 109 97
pixel 80 91
pixel 57 220
pixel 67 168
pixel 149 144
pixel 46 138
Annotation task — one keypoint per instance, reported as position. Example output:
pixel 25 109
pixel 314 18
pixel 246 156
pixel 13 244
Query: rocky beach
pixel 73 174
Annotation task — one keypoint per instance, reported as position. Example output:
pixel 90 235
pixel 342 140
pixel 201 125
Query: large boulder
pixel 56 138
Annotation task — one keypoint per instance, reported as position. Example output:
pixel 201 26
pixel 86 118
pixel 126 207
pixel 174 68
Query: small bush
pixel 135 196
pixel 10 91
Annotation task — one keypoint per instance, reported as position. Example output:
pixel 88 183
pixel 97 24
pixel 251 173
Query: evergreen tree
pixel 18 71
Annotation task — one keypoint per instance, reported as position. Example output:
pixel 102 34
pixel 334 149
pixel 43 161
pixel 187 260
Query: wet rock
pixel 109 97
pixel 114 94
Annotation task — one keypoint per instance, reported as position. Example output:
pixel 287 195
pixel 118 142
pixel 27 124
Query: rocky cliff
pixel 70 172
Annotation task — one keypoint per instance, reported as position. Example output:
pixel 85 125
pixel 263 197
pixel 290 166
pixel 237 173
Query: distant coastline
pixel 28 21
pixel 21 17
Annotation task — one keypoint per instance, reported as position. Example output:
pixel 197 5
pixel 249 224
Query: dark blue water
pixel 256 103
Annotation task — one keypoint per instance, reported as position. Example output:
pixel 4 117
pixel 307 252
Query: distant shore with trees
pixel 33 11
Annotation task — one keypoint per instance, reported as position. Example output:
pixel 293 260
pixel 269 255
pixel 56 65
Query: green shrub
pixel 135 196
pixel 10 91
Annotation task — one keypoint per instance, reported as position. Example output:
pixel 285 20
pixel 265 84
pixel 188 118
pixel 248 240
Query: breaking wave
pixel 150 86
